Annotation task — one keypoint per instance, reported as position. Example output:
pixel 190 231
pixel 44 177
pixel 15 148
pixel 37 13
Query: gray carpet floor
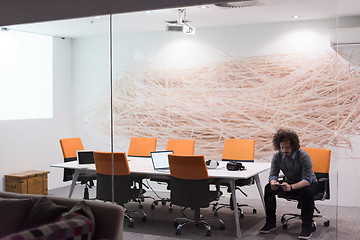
pixel 344 221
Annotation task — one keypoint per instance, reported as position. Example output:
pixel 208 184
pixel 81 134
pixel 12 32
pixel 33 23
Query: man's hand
pixel 273 186
pixel 286 187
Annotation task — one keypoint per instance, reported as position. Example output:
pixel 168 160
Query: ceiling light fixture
pixel 181 24
pixel 296 16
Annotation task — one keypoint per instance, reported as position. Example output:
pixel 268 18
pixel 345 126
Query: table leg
pixel 237 221
pixel 260 189
pixel 75 177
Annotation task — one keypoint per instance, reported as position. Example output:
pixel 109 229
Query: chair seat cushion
pixel 85 177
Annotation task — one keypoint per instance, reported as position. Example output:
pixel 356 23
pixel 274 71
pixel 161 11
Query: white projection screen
pixel 25 76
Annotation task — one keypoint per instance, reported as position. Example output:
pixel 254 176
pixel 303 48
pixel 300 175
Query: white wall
pixel 34 144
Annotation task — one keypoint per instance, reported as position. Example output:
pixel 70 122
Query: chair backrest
pixel 189 181
pixel 142 146
pixel 103 163
pixel 69 146
pixel 320 158
pixel 122 181
pixel 181 146
pixel 239 150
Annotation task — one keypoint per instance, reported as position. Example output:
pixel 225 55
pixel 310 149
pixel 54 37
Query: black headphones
pixel 235 166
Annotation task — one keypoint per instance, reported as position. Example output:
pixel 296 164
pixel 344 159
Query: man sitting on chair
pixel 300 180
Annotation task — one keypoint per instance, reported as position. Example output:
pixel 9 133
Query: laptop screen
pixel 85 156
pixel 160 159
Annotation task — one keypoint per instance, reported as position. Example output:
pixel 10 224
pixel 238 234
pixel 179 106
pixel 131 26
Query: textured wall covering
pixel 317 95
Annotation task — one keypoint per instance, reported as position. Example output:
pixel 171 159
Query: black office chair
pixel 190 189
pixel 238 150
pixel 69 146
pixel 142 147
pixel 321 165
pixel 179 147
pixel 123 183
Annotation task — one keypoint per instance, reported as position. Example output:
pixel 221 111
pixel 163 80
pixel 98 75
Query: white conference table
pixel 143 167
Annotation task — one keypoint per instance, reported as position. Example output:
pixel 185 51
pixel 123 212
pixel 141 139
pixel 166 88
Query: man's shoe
pixel 268 227
pixel 306 233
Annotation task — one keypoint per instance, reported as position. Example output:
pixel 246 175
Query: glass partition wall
pixel 244 76
pixel 346 43
pixel 192 73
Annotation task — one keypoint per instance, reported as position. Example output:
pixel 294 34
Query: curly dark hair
pixel 284 135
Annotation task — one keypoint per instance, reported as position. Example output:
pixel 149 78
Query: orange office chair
pixel 141 146
pixel 69 146
pixel 190 189
pixel 321 165
pixel 242 150
pixel 179 147
pixel 123 191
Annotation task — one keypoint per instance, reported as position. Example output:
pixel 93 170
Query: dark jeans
pixel 305 196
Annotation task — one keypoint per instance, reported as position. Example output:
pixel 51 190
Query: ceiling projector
pixel 178 27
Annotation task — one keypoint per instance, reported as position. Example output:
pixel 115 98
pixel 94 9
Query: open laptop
pixel 160 160
pixel 85 156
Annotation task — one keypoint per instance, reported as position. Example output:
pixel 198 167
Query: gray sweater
pixel 295 168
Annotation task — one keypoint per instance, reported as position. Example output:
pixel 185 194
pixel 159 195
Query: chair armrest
pixel 323 179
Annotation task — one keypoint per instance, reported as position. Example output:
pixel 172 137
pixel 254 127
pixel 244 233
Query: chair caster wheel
pixel 163 202
pixel 178 232
pixel 143 219
pixel 131 224
pixel 176 224
pixel 241 215
pixel 254 211
pixel 282 219
pixel 222 227
pixel 208 233
pixel 327 223
pixel 284 226
pixel 152 207
pixel 156 203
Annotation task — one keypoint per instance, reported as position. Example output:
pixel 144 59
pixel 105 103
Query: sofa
pixel 26 216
